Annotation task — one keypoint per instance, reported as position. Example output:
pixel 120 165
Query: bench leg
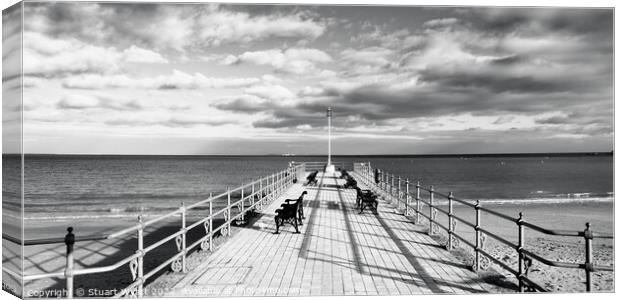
pixel 296 226
pixel 277 226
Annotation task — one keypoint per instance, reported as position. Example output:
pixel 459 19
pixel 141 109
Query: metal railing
pixel 397 189
pixel 253 196
pixel 319 165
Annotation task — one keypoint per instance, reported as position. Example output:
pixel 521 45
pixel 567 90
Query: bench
pixel 351 183
pixel 290 212
pixel 312 178
pixel 366 198
pixel 300 207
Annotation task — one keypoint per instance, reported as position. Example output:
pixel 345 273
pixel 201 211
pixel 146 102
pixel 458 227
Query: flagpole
pixel 329 168
pixel 329 136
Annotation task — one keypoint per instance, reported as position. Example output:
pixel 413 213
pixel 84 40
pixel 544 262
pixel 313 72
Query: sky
pixel 129 78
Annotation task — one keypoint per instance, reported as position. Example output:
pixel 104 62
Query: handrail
pixel 390 187
pixel 262 190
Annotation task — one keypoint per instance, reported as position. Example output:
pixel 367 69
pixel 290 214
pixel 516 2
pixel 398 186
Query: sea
pixel 86 186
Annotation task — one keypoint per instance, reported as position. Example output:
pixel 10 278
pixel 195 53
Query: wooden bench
pixel 366 198
pixel 290 212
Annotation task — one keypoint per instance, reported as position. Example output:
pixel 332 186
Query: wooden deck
pixel 339 252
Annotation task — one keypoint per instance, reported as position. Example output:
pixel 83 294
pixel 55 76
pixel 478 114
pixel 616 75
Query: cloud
pixel 44 56
pixel 78 102
pixel 135 54
pixel 445 22
pixel 292 60
pixel 220 25
pixel 376 56
pixel 176 80
pixel 245 104
pixel 178 27
pixel 176 121
pixel 274 92
pixel 81 102
pixel 49 57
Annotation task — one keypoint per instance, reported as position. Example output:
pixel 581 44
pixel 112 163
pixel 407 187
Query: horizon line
pixel 337 155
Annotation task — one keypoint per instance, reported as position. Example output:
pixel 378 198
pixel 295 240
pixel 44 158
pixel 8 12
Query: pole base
pixel 330 169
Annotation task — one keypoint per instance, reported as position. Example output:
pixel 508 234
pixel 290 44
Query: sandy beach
pixel 566 216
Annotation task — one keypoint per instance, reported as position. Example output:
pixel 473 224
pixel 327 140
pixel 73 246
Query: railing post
pixel 242 204
pixel 407 197
pixel 69 241
pixel 183 237
pixel 450 219
pixel 392 189
pixel 382 179
pixel 417 202
pixel 275 184
pixel 589 236
pixel 430 210
pixel 477 228
pixel 253 194
pixel 229 212
pixel 211 222
pixel 520 252
pixel 140 269
pixel 398 198
pixel 260 189
pixel 385 182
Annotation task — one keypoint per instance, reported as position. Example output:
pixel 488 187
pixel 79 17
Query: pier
pixel 339 251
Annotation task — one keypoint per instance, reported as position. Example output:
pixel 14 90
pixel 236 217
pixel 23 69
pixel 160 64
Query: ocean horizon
pixel 83 186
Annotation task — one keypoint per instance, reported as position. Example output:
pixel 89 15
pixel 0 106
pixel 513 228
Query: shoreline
pixel 126 213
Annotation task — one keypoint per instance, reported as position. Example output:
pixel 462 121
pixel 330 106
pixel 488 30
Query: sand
pixel 567 216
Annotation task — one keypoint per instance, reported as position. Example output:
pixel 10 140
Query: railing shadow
pixel 420 272
pixel 121 277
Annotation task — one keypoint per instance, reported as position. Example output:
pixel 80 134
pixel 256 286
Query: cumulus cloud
pixel 180 27
pixel 272 91
pixel 220 25
pixel 293 60
pixel 81 102
pixel 176 80
pixel 45 56
pixel 441 22
pixel 135 54
pixel 250 104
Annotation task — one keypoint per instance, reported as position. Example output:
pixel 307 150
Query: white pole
pixel 329 136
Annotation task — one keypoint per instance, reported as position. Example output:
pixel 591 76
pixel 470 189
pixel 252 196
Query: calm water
pixel 75 185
